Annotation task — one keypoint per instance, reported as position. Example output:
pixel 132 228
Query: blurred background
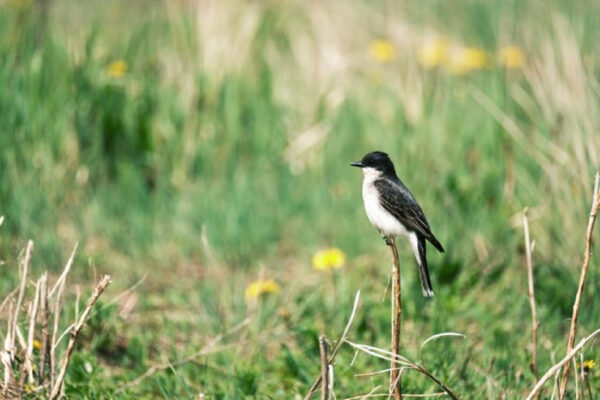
pixel 203 146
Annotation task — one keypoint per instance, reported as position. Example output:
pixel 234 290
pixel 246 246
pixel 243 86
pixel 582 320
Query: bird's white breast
pixel 385 222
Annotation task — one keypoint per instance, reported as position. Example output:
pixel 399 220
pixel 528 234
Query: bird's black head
pixel 377 160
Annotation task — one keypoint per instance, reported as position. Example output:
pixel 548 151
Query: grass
pixel 221 156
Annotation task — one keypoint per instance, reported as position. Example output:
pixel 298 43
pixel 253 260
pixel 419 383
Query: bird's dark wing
pixel 398 201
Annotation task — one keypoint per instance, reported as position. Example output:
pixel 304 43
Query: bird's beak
pixel 357 164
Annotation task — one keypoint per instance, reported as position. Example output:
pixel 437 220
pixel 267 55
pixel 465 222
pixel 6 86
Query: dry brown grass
pixel 30 353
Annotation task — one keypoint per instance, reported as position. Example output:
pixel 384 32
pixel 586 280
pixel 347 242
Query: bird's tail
pixel 421 251
pixel 436 244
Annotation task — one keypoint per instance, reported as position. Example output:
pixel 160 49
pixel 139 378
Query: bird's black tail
pixel 423 269
pixel 436 244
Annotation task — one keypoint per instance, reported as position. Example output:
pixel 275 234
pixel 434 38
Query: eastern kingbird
pixel 393 210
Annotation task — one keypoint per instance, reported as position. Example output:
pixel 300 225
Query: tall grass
pixel 238 120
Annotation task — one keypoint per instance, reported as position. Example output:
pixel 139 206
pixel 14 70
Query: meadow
pixel 198 152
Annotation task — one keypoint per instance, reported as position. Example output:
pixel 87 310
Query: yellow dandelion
pixel 117 69
pixel 468 59
pixel 29 388
pixel 382 51
pixel 328 259
pixel 433 53
pixel 511 57
pixel 37 345
pixel 261 287
pixel 588 364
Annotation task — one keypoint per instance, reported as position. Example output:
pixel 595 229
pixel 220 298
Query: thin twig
pixel 127 291
pixel 59 286
pixel 44 311
pixel 8 298
pixel 339 343
pixel 61 279
pixel 574 362
pixel 531 294
pixel 584 270
pixel 395 383
pixel 104 282
pixel 558 366
pixel 205 350
pixel 405 362
pixel 324 368
pixel 6 354
pixel 414 396
pixel 365 396
pixel 582 374
pixel 30 333
pixel 23 267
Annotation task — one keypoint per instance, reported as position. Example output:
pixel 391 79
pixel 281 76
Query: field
pixel 198 152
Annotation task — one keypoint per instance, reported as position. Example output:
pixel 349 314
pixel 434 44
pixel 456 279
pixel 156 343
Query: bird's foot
pixel 389 240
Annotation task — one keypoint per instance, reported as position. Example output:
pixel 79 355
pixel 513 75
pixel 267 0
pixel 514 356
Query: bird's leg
pixel 389 240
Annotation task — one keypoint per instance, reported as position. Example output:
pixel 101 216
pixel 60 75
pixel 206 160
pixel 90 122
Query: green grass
pixel 191 169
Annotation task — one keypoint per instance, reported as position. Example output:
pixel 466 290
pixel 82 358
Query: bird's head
pixel 376 162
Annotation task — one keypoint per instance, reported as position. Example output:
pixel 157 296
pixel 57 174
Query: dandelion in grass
pixel 261 287
pixel 433 53
pixel 117 69
pixel 588 365
pixel 382 51
pixel 37 345
pixel 511 57
pixel 328 259
pixel 468 59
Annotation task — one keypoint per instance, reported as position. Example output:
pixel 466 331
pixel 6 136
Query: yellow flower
pixel 468 59
pixel 117 69
pixel 382 51
pixel 511 57
pixel 261 287
pixel 328 259
pixel 588 364
pixel 37 345
pixel 433 53
pixel 29 388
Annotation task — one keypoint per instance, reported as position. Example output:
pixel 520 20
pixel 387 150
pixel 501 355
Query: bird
pixel 393 211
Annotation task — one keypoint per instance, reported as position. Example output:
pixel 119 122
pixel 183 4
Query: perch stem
pixel 324 367
pixel 584 270
pixel 395 384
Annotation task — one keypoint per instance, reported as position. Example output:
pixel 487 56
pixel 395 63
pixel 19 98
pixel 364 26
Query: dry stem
pixel 45 355
pixel 557 367
pixel 14 327
pixel 584 270
pixel 104 282
pixel 531 294
pixel 30 333
pixel 205 350
pixel 317 381
pixel 395 384
pixel 324 366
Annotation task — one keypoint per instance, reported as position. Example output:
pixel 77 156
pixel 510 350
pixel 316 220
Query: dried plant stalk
pixel 324 366
pixel 584 270
pixel 104 282
pixel 556 368
pixel 23 268
pixel 30 333
pixel 44 312
pixel 395 384
pixel 335 350
pixel 531 294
